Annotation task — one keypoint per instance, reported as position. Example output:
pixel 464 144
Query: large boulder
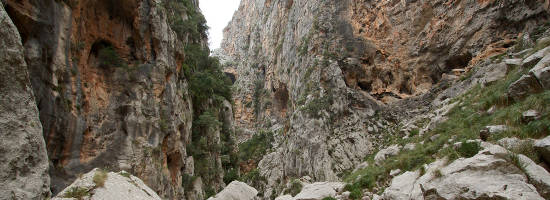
pixel 537 175
pixel 543 147
pixel 23 157
pixel 487 175
pixel 527 84
pixel 102 185
pixel 319 190
pixel 236 191
pixel 536 57
pixel 493 73
pixel 514 143
pixel 316 191
pixel 542 72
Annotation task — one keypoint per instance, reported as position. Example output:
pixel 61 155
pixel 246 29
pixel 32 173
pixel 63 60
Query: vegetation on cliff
pixel 193 27
pixel 465 120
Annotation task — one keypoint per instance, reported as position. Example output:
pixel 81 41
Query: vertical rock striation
pixel 23 158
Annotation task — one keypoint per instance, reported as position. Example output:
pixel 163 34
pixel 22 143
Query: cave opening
pixel 458 62
pixel 365 85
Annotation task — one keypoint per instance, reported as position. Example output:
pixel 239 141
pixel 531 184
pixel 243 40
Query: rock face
pixel 121 186
pixel 110 89
pixel 236 191
pixel 320 73
pixel 23 158
pixel 486 175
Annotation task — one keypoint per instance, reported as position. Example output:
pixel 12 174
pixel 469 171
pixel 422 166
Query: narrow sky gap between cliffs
pixel 217 13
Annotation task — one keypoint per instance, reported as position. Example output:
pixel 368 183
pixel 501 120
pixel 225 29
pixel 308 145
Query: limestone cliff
pixel 112 86
pixel 23 159
pixel 328 76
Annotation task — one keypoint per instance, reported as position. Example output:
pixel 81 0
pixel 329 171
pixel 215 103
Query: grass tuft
pixel 100 177
pixel 295 188
pixel 515 160
pixel 77 193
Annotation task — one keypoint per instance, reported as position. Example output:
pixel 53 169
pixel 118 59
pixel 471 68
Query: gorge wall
pixel 23 160
pixel 327 77
pixel 112 91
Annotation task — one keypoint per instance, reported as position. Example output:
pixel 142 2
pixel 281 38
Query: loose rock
pixel 236 191
pixel 120 186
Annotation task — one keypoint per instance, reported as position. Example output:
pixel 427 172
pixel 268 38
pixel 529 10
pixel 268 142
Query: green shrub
pixel 194 26
pixel 295 188
pixel 230 176
pixel 209 191
pixel 355 193
pixel 206 80
pixel 108 58
pixel 316 105
pixel 414 132
pixel 437 173
pixel 253 177
pixel 515 160
pixel 468 149
pixel 256 147
pixel 187 181
pixel 77 193
pixel 208 121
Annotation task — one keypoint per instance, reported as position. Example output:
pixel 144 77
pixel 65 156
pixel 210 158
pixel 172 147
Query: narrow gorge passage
pixel 274 99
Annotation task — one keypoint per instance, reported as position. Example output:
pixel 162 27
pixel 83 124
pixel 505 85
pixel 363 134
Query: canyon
pixel 305 99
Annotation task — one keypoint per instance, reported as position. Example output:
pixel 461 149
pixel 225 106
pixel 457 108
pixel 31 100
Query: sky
pixel 218 13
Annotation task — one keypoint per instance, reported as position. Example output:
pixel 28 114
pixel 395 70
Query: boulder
pixel 120 186
pixel 384 153
pixel 494 73
pixel 409 146
pixel 434 137
pixel 482 176
pixel 361 166
pixel 513 143
pixel 534 58
pixel 527 84
pixel 23 156
pixel 541 71
pixel 486 132
pixel 487 175
pixel 543 148
pixel 319 190
pixel 395 172
pixel 236 191
pixel 516 61
pixel 492 110
pixel 538 176
pixel 530 115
